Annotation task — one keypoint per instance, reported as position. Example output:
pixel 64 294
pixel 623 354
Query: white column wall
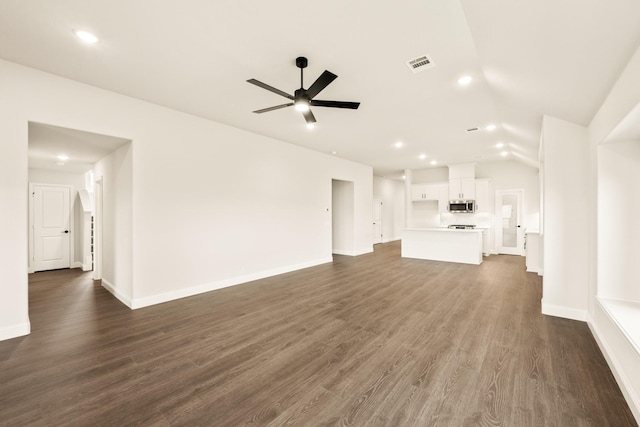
pixel 115 170
pixel 14 318
pixel 566 203
pixel 212 205
pixel 621 354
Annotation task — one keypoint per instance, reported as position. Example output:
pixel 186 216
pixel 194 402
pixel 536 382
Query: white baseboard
pixel 352 253
pixel 207 287
pixel 116 293
pixel 342 252
pixel 76 264
pixel 392 239
pixel 15 331
pixel 86 267
pixel 565 312
pixel 540 272
pixel 626 356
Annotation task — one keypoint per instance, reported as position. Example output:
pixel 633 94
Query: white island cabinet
pixel 442 244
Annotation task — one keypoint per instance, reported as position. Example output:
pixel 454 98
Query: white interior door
pixel 509 230
pixel 377 221
pixel 51 227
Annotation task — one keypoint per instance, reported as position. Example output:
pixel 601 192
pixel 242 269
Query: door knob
pixel 66 231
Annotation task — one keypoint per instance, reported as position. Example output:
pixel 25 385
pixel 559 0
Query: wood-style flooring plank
pixel 373 340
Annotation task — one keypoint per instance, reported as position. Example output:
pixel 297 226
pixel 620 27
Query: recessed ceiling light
pixel 434 162
pixel 504 153
pixel 398 144
pixel 86 36
pixel 490 127
pixel 499 145
pixel 404 177
pixel 311 125
pixel 63 157
pixel 464 80
pixel 334 152
pixel 422 156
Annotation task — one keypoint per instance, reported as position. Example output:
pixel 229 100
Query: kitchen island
pixel 442 244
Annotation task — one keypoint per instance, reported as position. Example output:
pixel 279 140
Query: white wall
pixel 618 213
pixel 420 176
pixel 76 181
pixel 566 203
pixel 14 318
pixel 115 170
pixel 392 194
pixel 212 205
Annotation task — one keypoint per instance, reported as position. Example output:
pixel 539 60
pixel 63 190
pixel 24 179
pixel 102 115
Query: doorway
pixel 509 231
pixel 342 217
pixel 377 221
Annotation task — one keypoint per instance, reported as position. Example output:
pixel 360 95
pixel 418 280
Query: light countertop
pixel 446 230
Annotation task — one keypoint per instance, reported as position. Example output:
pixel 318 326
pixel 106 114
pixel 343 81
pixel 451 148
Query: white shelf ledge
pixel 626 315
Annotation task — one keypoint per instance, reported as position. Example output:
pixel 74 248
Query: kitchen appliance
pixel 462 227
pixel 462 206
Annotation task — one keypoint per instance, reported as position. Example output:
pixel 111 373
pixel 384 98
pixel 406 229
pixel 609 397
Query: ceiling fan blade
pixel 269 88
pixel 335 104
pixel 309 117
pixel 323 81
pixel 277 107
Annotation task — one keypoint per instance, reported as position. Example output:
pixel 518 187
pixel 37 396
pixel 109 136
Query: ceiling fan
pixel 303 98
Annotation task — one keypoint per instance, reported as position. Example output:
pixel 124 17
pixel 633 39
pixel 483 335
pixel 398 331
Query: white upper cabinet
pixel 462 181
pixel 462 189
pixel 424 192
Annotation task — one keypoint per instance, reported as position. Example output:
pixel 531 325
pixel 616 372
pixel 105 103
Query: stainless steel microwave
pixel 465 206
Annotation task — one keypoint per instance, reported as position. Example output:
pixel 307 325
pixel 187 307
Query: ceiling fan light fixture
pixel 301 105
pixel 86 36
pixel 311 126
pixel 464 80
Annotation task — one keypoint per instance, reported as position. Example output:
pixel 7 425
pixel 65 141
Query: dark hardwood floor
pixel 371 340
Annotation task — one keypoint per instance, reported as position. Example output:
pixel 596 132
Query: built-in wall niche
pixel 619 234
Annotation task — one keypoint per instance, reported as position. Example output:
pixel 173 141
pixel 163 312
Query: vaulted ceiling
pixel 526 58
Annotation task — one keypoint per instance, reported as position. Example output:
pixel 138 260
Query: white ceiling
pixel 527 58
pixel 83 149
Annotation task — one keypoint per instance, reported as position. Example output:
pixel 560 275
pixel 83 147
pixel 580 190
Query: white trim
pixel 614 362
pixel 540 272
pixel 86 267
pixel 98 199
pixel 15 331
pixel 116 293
pixel 353 253
pixel 76 264
pixel 207 287
pixel 392 239
pixel 565 312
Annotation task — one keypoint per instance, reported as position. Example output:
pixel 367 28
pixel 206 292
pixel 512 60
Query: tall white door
pixel 377 221
pixel 509 230
pixel 51 227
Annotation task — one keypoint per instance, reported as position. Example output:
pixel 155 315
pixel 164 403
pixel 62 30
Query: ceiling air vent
pixel 420 64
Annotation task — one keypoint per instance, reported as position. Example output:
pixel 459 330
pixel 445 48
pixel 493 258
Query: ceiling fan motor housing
pixel 301 62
